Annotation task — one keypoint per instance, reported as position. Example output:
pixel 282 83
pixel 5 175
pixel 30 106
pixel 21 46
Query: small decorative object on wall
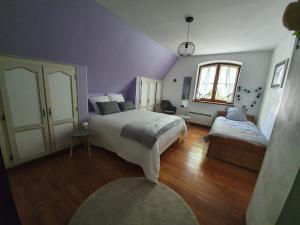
pixel 187 48
pixel 258 89
pixel 291 19
pixel 279 74
pixel 247 95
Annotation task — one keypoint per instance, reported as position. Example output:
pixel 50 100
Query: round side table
pixel 186 118
pixel 81 133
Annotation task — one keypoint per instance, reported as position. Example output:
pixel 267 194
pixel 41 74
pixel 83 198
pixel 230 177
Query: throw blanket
pixel 148 130
pixel 240 130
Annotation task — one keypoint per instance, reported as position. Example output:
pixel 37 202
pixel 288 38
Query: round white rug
pixel 134 201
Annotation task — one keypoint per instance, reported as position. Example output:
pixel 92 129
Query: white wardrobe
pixel 148 93
pixel 38 107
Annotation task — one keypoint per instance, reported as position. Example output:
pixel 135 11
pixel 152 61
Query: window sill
pixel 213 103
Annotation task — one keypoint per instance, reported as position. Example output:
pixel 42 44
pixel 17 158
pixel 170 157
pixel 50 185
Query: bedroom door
pixel 60 86
pixel 22 93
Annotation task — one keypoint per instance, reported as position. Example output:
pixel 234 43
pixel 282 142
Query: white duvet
pixel 240 130
pixel 107 131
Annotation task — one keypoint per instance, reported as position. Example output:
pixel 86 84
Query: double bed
pixel 237 142
pixel 107 134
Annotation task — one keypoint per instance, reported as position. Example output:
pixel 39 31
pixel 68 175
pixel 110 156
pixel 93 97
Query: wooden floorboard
pixel 49 190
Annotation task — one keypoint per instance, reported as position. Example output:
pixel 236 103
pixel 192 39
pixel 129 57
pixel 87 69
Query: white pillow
pixel 236 114
pixel 116 97
pixel 94 99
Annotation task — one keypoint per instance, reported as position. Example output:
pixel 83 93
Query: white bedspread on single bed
pixel 107 131
pixel 240 130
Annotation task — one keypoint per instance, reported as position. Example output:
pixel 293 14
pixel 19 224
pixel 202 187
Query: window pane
pixel 206 82
pixel 226 83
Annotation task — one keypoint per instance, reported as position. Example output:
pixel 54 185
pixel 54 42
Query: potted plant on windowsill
pixel 291 19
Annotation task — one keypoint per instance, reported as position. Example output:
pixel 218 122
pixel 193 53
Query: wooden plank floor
pixel 49 190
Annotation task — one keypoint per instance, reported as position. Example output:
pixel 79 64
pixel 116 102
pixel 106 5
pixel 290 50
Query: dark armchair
pixel 167 107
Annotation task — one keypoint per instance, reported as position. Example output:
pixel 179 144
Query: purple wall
pixel 82 92
pixel 82 32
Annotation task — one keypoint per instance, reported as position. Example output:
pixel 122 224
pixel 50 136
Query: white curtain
pixel 207 77
pixel 226 83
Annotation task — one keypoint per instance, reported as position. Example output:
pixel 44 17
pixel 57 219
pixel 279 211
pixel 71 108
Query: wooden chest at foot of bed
pixel 237 152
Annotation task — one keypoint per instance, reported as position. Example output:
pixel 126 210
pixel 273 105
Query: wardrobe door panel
pixel 61 103
pixel 144 93
pixel 22 94
pixel 152 92
pixel 62 136
pixel 158 92
pixel 60 89
pixel 30 143
pixel 4 142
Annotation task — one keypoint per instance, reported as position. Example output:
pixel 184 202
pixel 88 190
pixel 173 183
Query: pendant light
pixel 187 48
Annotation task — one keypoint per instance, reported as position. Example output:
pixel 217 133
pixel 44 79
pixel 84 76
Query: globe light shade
pixel 291 16
pixel 186 49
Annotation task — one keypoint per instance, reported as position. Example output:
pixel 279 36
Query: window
pixel 216 83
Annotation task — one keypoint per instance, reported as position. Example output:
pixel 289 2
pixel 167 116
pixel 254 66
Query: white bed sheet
pixel 106 135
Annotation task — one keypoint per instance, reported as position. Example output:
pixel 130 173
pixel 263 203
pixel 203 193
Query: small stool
pixel 78 134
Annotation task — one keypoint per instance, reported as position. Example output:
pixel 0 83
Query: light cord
pixel 187 36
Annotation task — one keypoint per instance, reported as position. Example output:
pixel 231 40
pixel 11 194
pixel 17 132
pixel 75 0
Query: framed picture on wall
pixel 279 74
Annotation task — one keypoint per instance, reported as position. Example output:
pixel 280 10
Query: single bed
pixel 237 142
pixel 107 130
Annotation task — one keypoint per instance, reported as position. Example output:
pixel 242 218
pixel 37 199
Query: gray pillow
pixel 106 108
pixel 125 106
pixel 236 114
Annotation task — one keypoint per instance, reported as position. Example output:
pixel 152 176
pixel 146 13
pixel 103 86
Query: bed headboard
pixel 249 117
pixel 90 106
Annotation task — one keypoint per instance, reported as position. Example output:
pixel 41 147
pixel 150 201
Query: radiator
pixel 201 118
